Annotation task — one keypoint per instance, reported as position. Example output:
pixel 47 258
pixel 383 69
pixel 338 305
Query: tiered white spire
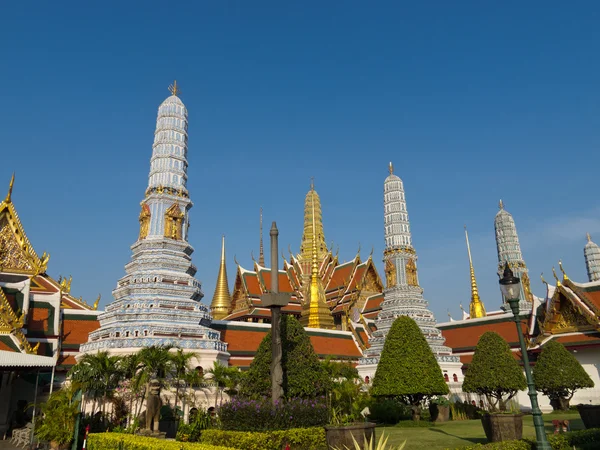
pixel 591 252
pixel 403 296
pixel 509 251
pixel 157 302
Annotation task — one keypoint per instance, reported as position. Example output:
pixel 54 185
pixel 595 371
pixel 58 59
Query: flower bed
pixel 121 441
pixel 297 438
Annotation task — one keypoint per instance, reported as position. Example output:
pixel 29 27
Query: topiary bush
pixel 303 374
pixel 389 411
pixel 297 438
pixel 494 372
pixel 407 367
pixel 558 374
pixel 259 415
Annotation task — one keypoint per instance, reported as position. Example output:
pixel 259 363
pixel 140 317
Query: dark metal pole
pixel 276 349
pixel 538 421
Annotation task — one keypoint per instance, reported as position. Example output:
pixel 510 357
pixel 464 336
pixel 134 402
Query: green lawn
pixel 451 435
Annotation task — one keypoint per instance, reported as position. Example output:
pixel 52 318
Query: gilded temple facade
pixel 157 302
pixel 403 296
pixel 325 294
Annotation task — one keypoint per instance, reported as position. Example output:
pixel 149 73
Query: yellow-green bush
pixel 583 440
pixel 121 441
pixel 298 438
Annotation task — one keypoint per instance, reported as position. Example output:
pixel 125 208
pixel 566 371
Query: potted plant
pixel 558 374
pixel 439 409
pixel 347 400
pixel 495 374
pixel 57 422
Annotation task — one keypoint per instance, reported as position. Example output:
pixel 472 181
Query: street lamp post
pixel 510 287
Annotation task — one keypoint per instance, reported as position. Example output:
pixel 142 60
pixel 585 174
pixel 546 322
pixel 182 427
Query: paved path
pixel 6 445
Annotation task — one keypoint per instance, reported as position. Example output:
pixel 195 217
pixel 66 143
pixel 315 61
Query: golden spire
pixel 313 232
pixel 391 168
pixel 476 308
pixel 10 188
pixel 317 313
pixel 174 89
pixel 261 250
pixel 221 301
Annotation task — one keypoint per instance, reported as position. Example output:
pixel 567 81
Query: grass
pixel 457 434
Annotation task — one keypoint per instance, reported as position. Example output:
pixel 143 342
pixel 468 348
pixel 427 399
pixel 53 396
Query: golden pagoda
pixel 221 301
pixel 476 308
pixel 315 312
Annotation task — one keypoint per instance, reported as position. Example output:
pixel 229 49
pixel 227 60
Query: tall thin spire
pixel 261 250
pixel 316 313
pixel 509 251
pixel 312 232
pixel 591 253
pixel 476 308
pixel 221 301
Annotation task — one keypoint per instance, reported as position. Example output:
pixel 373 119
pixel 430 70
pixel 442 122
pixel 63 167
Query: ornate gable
pixel 16 252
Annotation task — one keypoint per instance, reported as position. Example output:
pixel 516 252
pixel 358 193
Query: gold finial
pixel 501 204
pixel 449 315
pixel 565 277
pixel 542 278
pixel 97 302
pixel 555 277
pixel 476 308
pixel 589 238
pixel 358 251
pixel 391 168
pixel 461 307
pixel 174 89
pixel 10 188
pixel 312 183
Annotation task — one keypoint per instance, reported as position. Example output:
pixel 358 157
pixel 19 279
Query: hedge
pixel 583 440
pixel 122 441
pixel 298 438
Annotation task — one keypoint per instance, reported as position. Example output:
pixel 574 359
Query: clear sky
pixel 472 101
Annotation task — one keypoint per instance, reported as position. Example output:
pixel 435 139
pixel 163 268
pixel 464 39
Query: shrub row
pixel 297 438
pixel 121 441
pixel 583 440
pixel 259 415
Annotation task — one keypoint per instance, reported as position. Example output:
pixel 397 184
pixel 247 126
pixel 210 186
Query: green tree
pixel 224 377
pixel 57 421
pixel 129 366
pixel 494 371
pixel 98 374
pixel 558 374
pixel 180 366
pixel 303 374
pixel 407 367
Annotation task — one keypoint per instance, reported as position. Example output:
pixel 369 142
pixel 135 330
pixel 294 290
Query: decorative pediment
pixel 16 252
pixel 567 312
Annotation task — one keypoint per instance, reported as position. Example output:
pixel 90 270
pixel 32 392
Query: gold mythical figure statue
pixel 144 221
pixel 390 273
pixel 174 222
pixel 411 273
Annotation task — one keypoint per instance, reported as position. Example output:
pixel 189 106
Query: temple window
pixel 454 378
pixel 446 378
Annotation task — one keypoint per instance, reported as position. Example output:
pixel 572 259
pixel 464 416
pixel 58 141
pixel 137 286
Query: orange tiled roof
pixel 594 296
pixel 335 345
pixel 341 275
pixel 6 347
pixel 467 334
pixel 284 282
pixel 578 339
pixel 77 331
pixel 67 360
pixel 38 319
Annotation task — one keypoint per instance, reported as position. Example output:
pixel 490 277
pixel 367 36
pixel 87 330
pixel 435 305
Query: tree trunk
pixel 416 412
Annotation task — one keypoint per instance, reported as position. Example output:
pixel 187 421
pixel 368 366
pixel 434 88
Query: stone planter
pixel 502 427
pixel 439 413
pixel 340 436
pixel 590 415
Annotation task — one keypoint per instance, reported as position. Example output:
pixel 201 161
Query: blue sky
pixel 471 102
